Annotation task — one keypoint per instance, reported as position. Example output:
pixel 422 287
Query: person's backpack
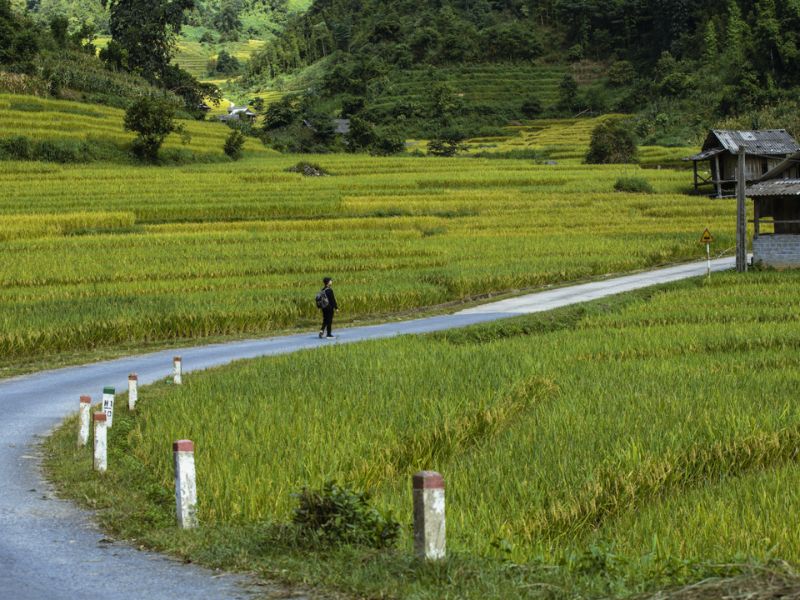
pixel 322 299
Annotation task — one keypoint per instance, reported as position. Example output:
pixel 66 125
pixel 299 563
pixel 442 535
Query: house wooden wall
pixel 755 167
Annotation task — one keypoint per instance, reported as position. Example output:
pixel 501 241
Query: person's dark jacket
pixel 331 299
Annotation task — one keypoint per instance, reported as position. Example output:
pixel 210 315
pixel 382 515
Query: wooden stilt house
pixel 776 215
pixel 765 149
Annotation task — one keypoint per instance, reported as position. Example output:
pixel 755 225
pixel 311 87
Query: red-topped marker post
pixel 133 391
pixel 100 442
pixel 429 521
pixel 185 485
pixel 84 421
pixel 177 370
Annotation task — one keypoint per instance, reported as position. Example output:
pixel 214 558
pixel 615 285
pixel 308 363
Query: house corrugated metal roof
pixel 775 187
pixel 706 154
pixel 764 141
pixel 341 126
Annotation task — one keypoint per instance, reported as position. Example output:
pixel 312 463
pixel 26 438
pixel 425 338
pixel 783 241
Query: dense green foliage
pixel 684 65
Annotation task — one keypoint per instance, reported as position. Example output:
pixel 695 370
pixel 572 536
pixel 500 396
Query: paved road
pixel 50 550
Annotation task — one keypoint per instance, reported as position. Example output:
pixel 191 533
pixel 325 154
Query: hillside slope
pixel 685 65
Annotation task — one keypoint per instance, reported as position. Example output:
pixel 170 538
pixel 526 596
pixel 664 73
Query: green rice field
pixel 623 446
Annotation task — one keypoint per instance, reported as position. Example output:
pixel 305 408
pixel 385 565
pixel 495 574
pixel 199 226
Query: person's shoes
pixel 321 335
pixel 330 337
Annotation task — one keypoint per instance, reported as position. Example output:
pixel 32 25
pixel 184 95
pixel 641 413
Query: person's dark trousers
pixel 327 319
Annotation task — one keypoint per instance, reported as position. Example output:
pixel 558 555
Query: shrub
pixel 612 143
pixel 234 144
pixel 638 185
pixel 308 169
pixel 17 147
pixel 336 515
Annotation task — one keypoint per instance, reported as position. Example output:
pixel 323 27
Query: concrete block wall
pixel 780 251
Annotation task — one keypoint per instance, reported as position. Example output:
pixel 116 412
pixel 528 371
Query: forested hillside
pixel 668 59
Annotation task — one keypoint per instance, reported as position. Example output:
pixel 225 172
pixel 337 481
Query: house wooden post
pixel 741 215
pixel 696 187
pixel 718 177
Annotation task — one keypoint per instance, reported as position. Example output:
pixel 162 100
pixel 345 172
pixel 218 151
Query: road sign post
pixel 706 239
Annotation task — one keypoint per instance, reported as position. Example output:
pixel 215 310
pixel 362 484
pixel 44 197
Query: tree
pixel 227 20
pixel 145 31
pixel 612 143
pixel 19 43
pixel 227 63
pixel 532 107
pixel 153 119
pixel 447 143
pixel 361 135
pixel 234 144
pixel 568 94
pixel 280 114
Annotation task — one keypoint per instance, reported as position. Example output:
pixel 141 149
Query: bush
pixel 336 515
pixel 234 144
pixel 636 185
pixel 308 169
pixel 17 147
pixel 21 147
pixel 612 143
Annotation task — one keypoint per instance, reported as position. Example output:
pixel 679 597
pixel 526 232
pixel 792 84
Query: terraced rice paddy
pixel 194 57
pixel 567 140
pixel 101 254
pixel 504 85
pixel 43 119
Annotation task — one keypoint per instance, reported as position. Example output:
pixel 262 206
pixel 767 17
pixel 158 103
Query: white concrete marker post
pixel 84 421
pixel 429 522
pixel 108 405
pixel 185 485
pixel 100 442
pixel 133 391
pixel 177 369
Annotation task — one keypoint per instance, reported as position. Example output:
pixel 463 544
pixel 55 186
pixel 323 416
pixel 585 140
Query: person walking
pixel 326 301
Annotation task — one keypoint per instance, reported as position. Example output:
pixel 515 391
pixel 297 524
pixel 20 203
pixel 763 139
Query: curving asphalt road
pixel 50 550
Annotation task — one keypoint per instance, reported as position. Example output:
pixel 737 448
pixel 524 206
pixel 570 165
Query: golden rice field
pixel 567 140
pixel 100 254
pixel 45 119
